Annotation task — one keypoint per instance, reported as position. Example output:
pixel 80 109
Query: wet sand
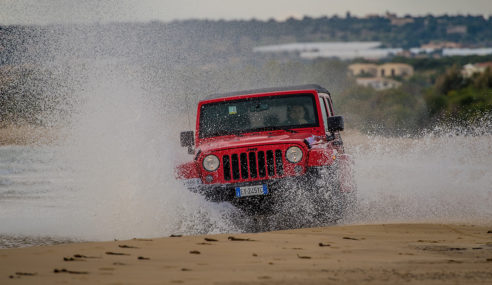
pixel 368 254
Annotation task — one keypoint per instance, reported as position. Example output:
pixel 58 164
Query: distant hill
pixel 43 68
pixel 202 41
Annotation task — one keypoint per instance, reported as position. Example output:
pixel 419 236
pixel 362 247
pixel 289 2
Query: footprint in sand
pixel 63 270
pixel 126 246
pixel 115 253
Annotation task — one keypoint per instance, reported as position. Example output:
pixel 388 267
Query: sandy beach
pixel 411 253
pixel 355 254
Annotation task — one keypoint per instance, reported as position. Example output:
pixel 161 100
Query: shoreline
pixel 370 254
pixel 26 135
pixel 10 241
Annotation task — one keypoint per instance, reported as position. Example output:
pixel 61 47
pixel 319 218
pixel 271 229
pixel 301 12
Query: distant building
pixel 378 83
pixel 395 21
pixel 361 69
pixel 470 69
pixel 484 65
pixel 390 15
pixel 440 45
pixel 456 30
pixel 384 70
pixel 405 53
pixel 378 76
pixel 395 69
pixel 401 21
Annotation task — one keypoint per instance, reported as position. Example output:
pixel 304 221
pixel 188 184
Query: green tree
pixel 456 99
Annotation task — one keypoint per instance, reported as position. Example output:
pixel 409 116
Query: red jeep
pixel 269 150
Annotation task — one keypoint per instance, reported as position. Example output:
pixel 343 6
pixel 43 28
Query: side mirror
pixel 187 139
pixel 335 124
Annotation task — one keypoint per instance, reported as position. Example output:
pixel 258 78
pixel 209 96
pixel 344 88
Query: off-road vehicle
pixel 270 150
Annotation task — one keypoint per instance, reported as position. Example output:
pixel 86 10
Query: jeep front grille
pixel 253 164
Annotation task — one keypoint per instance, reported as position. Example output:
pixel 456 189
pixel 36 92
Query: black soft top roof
pixel 269 90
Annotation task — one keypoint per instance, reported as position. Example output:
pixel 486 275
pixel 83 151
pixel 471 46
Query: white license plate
pixel 251 190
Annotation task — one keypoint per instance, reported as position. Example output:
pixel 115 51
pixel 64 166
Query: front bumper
pixel 312 178
pixel 227 192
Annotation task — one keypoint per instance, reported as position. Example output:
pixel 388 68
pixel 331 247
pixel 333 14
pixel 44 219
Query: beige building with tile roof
pixel 358 69
pixel 383 70
pixel 395 69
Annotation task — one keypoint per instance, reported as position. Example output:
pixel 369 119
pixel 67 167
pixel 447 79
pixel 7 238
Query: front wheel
pixel 332 204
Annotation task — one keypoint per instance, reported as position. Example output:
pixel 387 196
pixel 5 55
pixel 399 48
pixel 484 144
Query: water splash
pixel 110 175
pixel 442 178
pixel 121 148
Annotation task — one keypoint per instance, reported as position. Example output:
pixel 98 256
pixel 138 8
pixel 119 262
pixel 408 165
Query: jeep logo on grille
pixel 252 149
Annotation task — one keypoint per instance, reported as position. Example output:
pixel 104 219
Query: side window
pixel 328 107
pixel 329 104
pixel 323 111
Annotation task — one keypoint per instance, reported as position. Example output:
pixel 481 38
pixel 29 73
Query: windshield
pixel 257 114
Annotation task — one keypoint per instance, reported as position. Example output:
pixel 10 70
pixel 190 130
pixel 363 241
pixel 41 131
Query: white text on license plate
pixel 251 190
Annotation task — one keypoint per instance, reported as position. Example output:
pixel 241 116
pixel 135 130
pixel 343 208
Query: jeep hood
pixel 239 141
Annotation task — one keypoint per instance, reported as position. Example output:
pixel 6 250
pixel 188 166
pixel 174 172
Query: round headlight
pixel 211 162
pixel 293 154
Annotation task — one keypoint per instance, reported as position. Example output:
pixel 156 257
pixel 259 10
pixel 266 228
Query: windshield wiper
pixel 225 133
pixel 285 130
pixel 279 129
pixel 241 133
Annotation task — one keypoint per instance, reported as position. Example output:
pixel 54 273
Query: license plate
pixel 251 190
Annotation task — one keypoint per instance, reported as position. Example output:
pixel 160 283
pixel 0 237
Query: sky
pixel 89 11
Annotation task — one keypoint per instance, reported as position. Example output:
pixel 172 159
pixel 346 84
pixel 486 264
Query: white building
pixel 378 83
pixel 469 69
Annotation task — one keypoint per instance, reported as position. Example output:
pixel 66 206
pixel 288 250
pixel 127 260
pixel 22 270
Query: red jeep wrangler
pixel 270 150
